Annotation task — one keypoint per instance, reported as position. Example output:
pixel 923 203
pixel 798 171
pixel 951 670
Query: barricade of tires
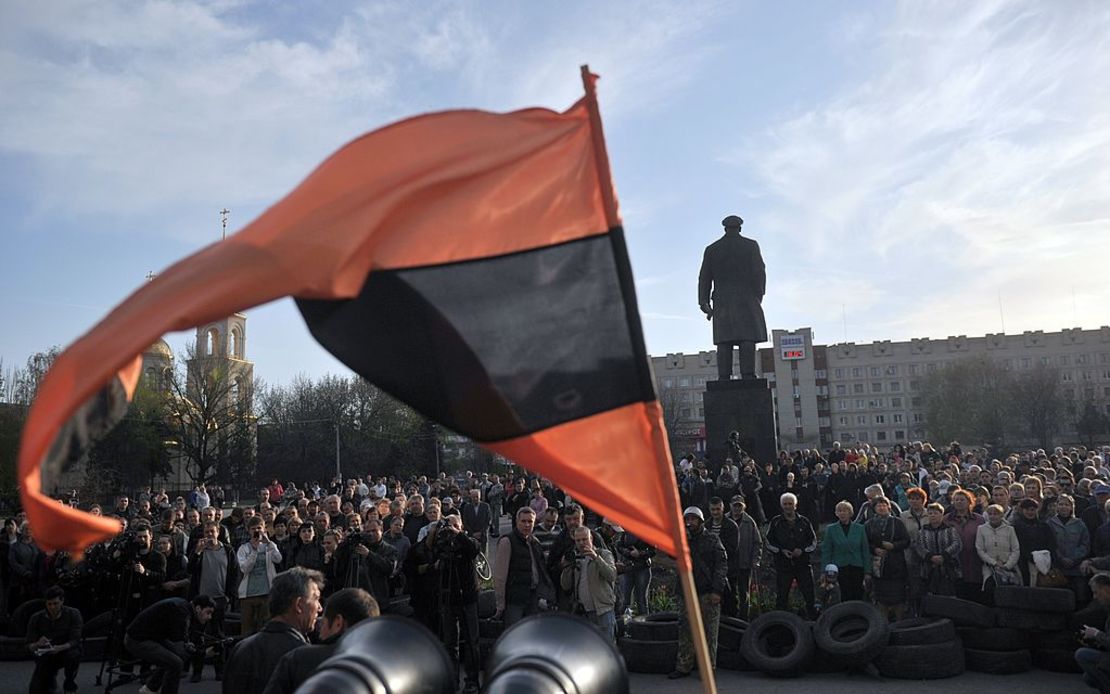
pixel 1028 627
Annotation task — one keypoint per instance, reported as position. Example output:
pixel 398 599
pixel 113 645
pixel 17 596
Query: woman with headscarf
pixel 888 539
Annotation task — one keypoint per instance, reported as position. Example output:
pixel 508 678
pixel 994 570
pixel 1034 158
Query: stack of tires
pixel 1041 617
pixel 730 637
pixel 777 643
pixel 849 635
pixel 650 644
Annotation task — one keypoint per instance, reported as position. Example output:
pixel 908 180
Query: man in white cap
pixel 710 565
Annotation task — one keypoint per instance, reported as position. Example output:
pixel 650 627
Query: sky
pixel 909 169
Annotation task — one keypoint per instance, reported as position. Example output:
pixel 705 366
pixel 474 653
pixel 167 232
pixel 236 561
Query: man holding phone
pixel 258 559
pixel 213 571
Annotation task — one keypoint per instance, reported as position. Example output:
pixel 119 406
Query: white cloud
pixel 972 158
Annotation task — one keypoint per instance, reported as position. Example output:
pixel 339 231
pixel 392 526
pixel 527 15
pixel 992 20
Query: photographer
pixel 364 561
pixel 141 569
pixel 590 582
pixel 563 550
pixel 455 552
pixel 258 559
pixel 214 572
pixel 54 636
pixel 157 636
pixel 1094 658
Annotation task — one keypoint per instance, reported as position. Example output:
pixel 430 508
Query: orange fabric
pixel 434 189
pixel 618 464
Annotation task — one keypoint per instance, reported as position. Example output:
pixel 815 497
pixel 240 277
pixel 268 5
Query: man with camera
pixel 563 551
pixel 214 572
pixel 455 553
pixel 1094 657
pixel 54 636
pixel 590 581
pixel 157 636
pixel 258 559
pixel 364 561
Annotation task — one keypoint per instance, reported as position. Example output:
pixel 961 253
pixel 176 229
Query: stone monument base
pixel 744 406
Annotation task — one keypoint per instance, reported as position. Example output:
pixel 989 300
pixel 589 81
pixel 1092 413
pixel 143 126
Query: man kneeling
pixel 54 636
pixel 157 636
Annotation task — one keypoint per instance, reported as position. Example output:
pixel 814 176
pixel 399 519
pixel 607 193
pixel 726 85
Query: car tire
pixel 995 639
pixel 649 657
pixel 1035 599
pixel 963 613
pixel 998 662
pixel 932 662
pixel 1031 621
pixel 922 631
pixel 779 643
pixel 852 646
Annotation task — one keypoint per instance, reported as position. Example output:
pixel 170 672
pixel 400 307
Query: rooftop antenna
pixel 223 221
pixel 1074 312
pixel 1001 315
pixel 150 276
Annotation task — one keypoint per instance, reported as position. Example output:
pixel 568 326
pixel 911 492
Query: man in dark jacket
pixel 455 553
pixel 157 636
pixel 476 517
pixel 710 565
pixel 345 609
pixel 1094 656
pixel 294 607
pixel 792 541
pixel 54 636
pixel 365 561
pixel 728 531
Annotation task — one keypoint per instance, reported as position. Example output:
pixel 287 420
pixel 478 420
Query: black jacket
pixel 784 536
pixel 231 580
pixel 254 660
pixel 710 563
pixel 297 665
pixel 165 620
pixel 729 533
pixel 371 573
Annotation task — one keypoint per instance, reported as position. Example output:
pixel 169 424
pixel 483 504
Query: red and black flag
pixel 471 264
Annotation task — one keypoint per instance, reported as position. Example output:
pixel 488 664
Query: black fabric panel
pixel 499 347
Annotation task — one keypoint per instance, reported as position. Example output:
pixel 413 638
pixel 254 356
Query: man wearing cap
pixel 749 544
pixel 710 568
pixel 725 528
pixel 731 285
pixel 1096 515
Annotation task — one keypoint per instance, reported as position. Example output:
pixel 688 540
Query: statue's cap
pixel 732 222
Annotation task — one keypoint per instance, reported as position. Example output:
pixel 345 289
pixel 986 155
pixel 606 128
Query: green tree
pixel 133 452
pixel 967 401
pixel 1037 403
pixel 1091 424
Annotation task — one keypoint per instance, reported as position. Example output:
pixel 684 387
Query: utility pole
pixel 223 221
pixel 337 471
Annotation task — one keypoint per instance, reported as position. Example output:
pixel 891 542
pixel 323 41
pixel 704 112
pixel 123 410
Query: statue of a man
pixel 730 293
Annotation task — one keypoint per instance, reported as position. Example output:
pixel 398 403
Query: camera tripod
pixel 113 649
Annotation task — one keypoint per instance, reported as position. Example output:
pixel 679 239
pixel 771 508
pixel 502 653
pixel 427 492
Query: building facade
pixel 871 393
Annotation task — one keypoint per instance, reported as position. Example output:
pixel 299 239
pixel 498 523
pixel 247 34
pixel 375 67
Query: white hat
pixel 693 511
pixel 831 569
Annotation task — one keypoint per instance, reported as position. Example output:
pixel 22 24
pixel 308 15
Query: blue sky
pixel 904 166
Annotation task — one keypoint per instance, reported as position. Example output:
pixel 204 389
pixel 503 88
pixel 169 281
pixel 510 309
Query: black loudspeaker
pixel 385 655
pixel 555 654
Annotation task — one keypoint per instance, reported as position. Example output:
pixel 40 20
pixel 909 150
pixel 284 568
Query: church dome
pixel 160 350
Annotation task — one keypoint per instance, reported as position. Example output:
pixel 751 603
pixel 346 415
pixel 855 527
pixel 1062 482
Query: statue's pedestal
pixel 740 405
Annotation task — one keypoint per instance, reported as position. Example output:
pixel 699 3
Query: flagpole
pixel 685 569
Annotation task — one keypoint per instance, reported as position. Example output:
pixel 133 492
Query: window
pixel 876 371
pixel 880 419
pixel 899 418
pixel 842 421
pixel 701 412
pixel 818 373
pixel 1026 362
pixel 876 387
pixel 1066 376
pixel 1087 376
pixel 1104 358
pixel 842 390
pixel 841 404
pixel 880 436
pixel 857 372
pixel 1082 359
pixel 1089 393
pixel 891 370
pixel 822 390
pixel 918 418
pixel 896 402
pixel 686 412
pixel 1045 361
pixel 862 436
pixel 899 435
pixel 895 386
pixel 915 385
pixel 861 419
pixel 699 381
pixel 1065 360
pixel 930 368
pixel 875 403
pixel 859 404
pixel 857 387
pixel 1106 374
pixel 1008 364
pixel 912 368
pixel 915 402
pixel 668 383
pixel 684 382
pixel 839 373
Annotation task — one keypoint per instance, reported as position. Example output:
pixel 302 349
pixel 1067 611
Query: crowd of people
pixel 851 523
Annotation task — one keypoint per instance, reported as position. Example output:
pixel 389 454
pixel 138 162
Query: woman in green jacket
pixel 845 544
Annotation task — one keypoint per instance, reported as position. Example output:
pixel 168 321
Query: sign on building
pixel 792 346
